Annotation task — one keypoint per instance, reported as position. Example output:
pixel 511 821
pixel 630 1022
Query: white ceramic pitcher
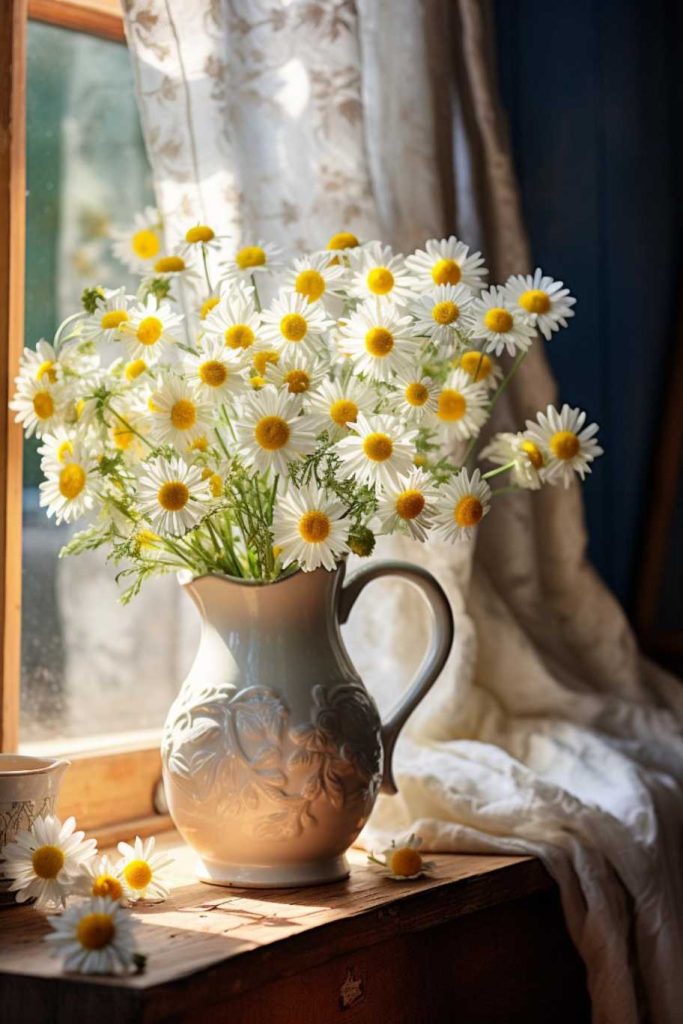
pixel 273 751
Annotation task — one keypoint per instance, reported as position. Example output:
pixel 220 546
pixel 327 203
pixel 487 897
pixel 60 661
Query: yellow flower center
pixel 134 369
pixel 416 393
pixel 468 511
pixel 216 485
pixel 310 283
pixel 47 369
pixel 452 405
pixel 262 359
pixel 47 861
pixel 213 373
pixel 378 447
pixel 113 319
pixel 149 330
pixel 564 445
pixel 446 272
pixel 107 885
pixel 79 408
pixel 122 437
pixel 145 244
pixel 535 301
pixel 207 305
pixel 498 320
pixel 343 240
pixel 297 381
pixel 200 233
pixel 200 444
pixel 251 256
pixel 445 312
pixel 146 539
pixel 95 931
pixel 293 326
pixel 404 862
pixel 533 454
pixel 65 448
pixel 183 414
pixel 477 364
pixel 43 405
pixel 410 504
pixel 169 265
pixel 379 342
pixel 314 527
pixel 343 411
pixel 271 433
pixel 380 280
pixel 173 495
pixel 239 336
pixel 257 382
pixel 152 406
pixel 71 480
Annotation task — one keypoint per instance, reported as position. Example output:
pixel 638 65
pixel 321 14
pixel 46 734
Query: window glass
pixel 89 666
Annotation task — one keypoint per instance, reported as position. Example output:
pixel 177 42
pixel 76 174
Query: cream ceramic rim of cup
pixel 12 765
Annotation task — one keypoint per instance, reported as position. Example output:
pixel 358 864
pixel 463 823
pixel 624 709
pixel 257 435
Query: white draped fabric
pixel 547 733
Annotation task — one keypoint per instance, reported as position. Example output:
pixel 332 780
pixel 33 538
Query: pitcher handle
pixel 434 660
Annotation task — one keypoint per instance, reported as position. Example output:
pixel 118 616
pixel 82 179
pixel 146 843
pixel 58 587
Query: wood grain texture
pixel 105 789
pixel 94 17
pixel 12 250
pixel 350 948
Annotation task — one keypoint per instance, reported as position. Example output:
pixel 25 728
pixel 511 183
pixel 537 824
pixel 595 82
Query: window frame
pixel 114 791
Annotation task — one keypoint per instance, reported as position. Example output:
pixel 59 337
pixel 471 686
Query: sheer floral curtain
pixel 547 733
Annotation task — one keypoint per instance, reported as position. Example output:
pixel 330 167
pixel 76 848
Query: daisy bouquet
pixel 248 414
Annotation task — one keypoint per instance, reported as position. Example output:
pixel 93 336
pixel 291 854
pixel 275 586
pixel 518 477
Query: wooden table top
pixel 246 937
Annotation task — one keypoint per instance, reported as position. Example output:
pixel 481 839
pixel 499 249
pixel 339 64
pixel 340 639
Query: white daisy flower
pixel 408 505
pixel 106 324
pixel 461 505
pixel 39 406
pixel 58 448
pixel 380 342
pixel 415 396
pixel 173 267
pixel 546 303
pixel 44 861
pixel 150 329
pixel 568 445
pixel 127 430
pixel 377 273
pixel 499 325
pixel 139 245
pixel 461 408
pixel 482 369
pixel 377 451
pixel 298 376
pixel 68 490
pixel 197 237
pixel 216 371
pixel 336 404
pixel 251 260
pixel 316 277
pixel 340 243
pixel 446 261
pixel 309 528
pixel 526 456
pixel 271 432
pixel 100 877
pixel 95 937
pixel 293 324
pixel 438 313
pixel 40 364
pixel 144 872
pixel 234 320
pixel 402 861
pixel 179 414
pixel 172 495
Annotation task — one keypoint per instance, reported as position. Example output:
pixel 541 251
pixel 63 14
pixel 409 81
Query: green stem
pixel 257 301
pixel 500 469
pixel 206 270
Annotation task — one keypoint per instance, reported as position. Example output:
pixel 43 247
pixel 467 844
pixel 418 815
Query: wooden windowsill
pixel 256 954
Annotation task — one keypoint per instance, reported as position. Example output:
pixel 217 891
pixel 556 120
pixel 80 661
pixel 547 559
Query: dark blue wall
pixel 593 95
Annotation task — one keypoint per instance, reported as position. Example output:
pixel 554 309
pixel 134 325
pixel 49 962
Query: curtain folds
pixel 546 733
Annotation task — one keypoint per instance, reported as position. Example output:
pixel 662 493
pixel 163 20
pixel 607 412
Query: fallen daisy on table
pixel 143 872
pixel 101 877
pixel 45 861
pixel 402 861
pixel 96 936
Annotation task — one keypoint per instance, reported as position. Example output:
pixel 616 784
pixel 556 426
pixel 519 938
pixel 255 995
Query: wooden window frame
pixel 113 792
